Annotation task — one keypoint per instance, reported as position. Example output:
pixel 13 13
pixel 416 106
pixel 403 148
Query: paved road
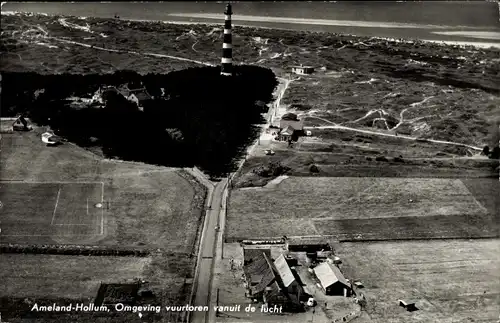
pixel 207 254
pixel 212 236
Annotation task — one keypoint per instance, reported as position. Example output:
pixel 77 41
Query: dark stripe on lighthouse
pixel 227 69
pixel 228 38
pixel 227 52
pixel 227 24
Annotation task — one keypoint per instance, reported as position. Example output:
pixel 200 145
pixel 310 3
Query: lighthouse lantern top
pixel 228 10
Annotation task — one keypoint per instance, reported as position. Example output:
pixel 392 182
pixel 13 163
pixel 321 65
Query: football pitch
pixel 51 209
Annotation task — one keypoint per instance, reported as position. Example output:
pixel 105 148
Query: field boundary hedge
pixel 77 250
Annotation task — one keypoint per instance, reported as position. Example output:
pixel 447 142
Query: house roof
pixel 141 94
pixel 329 274
pixel 257 268
pixel 255 253
pixel 20 120
pixel 124 90
pixel 289 116
pixel 301 66
pixel 284 271
pixel 110 89
pixel 277 275
pixel 288 131
pixel 267 276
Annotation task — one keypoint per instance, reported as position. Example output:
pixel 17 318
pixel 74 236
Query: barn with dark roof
pixel 272 282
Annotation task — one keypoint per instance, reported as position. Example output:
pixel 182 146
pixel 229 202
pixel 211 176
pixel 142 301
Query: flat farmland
pixel 143 206
pixel 26 279
pixel 44 194
pixel 65 277
pixel 357 208
pixel 451 281
pixel 42 209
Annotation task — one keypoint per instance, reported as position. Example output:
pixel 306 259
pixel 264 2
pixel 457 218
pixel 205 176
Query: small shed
pixel 408 305
pixel 331 279
pixel 21 124
pixel 302 70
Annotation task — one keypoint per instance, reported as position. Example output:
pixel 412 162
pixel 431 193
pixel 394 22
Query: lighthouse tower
pixel 227 46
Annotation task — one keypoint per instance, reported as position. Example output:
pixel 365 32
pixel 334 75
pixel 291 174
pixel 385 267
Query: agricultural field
pixel 68 198
pixel 44 279
pixel 450 281
pixel 65 277
pixel 31 209
pixel 51 196
pixel 353 160
pixel 365 208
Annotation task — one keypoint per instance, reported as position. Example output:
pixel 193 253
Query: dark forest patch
pixel 194 116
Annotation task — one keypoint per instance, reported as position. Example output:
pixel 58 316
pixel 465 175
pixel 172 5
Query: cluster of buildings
pixel 276 282
pixel 273 282
pixel 291 127
pixel 136 94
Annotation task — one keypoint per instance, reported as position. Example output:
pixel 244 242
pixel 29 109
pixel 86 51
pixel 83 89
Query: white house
pixel 302 70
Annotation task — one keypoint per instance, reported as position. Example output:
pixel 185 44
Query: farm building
pixel 291 119
pixel 291 127
pixel 308 245
pixel 139 96
pixel 257 271
pixel 273 283
pixel 21 124
pixel 287 134
pixel 302 70
pixel 331 279
pixel 287 289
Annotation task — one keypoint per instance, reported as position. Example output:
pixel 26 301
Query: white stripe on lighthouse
pixel 226 74
pixel 227 31
pixel 226 60
pixel 226 45
pixel 227 17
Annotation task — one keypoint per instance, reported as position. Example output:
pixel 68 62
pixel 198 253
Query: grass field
pixel 45 209
pixel 44 192
pixel 65 277
pixel 147 206
pixel 61 279
pixel 350 160
pixel 451 281
pixel 367 208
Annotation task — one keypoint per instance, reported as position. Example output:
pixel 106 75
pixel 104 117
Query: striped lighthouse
pixel 227 46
